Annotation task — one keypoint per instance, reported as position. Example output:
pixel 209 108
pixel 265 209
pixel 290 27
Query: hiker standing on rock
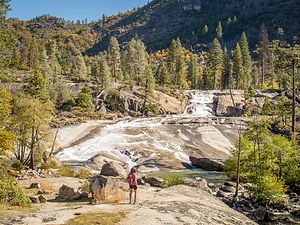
pixel 132 184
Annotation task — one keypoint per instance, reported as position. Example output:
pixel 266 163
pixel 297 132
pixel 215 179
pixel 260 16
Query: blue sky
pixel 71 9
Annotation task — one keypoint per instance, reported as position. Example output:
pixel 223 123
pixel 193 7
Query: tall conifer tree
pixel 238 67
pixel 114 57
pixel 219 30
pixel 263 49
pixel 246 57
pixel 215 62
pixel 104 77
pixel 192 72
pixel 226 69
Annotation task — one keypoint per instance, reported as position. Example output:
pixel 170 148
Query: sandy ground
pixel 174 205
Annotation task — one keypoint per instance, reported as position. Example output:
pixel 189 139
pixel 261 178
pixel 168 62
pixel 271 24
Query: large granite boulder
pixel 207 164
pixel 154 181
pixel 67 194
pixel 107 189
pixel 113 169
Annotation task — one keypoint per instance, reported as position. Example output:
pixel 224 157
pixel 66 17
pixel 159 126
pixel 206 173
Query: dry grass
pixel 92 219
pixel 7 210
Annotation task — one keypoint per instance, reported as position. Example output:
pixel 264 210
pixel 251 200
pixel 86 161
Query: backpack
pixel 131 178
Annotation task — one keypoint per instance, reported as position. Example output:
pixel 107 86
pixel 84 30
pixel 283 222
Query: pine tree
pixel 238 66
pixel 53 61
pixel 180 79
pixel 219 30
pixel 207 79
pixel 226 69
pixel 140 61
pixel 263 49
pixel 95 67
pixel 266 108
pixel 148 86
pixel 215 62
pixel 78 64
pixel 171 60
pixel 134 61
pixel 62 93
pixel 205 29
pixel 45 68
pixel 246 57
pixel 33 54
pixel 163 76
pixel 114 57
pixel 192 72
pixel 37 87
pixel 104 74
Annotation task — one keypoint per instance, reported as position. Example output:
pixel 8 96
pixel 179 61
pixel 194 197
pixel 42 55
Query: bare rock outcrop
pixel 208 164
pixel 113 169
pixel 154 181
pixel 67 193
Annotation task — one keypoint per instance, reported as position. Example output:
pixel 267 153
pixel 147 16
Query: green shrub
pixel 85 186
pixel 49 165
pixel 65 171
pixel 172 181
pixel 154 108
pixel 6 78
pixel 268 189
pixel 11 193
pixel 83 174
pixel 114 102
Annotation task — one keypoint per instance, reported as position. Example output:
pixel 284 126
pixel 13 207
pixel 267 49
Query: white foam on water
pixel 198 104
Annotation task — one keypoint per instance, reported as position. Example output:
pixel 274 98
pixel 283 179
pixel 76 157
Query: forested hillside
pixel 195 22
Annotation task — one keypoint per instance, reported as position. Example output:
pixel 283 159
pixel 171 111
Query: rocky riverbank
pixel 285 212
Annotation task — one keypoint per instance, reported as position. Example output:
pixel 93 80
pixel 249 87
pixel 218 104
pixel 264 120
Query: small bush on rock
pixel 65 171
pixel 83 174
pixel 85 186
pixel 49 165
pixel 172 181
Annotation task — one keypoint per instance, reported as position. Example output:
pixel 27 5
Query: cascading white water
pixel 141 140
pixel 199 104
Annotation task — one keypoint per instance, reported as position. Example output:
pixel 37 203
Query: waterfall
pixel 199 104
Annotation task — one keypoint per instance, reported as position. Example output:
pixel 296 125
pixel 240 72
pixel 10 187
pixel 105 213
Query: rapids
pixel 160 141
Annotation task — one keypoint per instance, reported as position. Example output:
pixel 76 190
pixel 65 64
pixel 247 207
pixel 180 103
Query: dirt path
pixel 174 205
